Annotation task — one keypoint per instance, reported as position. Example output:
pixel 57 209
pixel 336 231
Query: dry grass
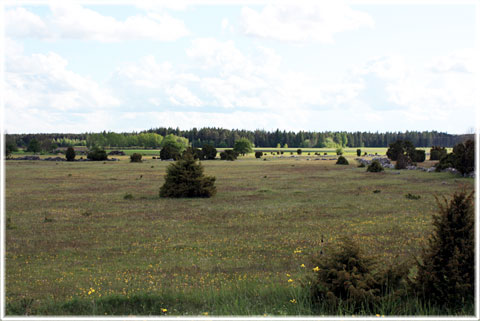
pixel 265 221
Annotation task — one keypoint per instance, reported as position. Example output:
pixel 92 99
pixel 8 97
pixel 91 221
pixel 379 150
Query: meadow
pixel 85 234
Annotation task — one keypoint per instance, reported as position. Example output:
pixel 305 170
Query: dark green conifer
pixel 446 269
pixel 185 178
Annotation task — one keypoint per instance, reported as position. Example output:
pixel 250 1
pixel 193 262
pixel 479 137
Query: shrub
pixel 400 147
pixel 97 154
pixel 412 196
pixel 375 167
pixel 446 269
pixel 437 152
pixel 462 158
pixel 70 154
pixel 339 151
pixel 228 154
pixel 359 152
pixel 281 152
pixel 243 146
pixel 196 152
pixel 209 152
pixel 258 154
pixel 342 161
pixel 128 196
pixel 403 161
pixel 10 147
pixel 418 156
pixel 185 178
pixel 299 151
pixel 169 152
pixel 136 158
pixel 346 276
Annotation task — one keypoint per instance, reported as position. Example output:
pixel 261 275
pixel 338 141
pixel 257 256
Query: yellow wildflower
pixel 164 310
pixel 288 274
pixel 205 313
pixel 377 315
pixel 316 269
pixel 293 301
pixel 303 265
pixel 290 280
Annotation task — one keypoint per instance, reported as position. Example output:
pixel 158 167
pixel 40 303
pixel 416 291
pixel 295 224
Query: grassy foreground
pixel 77 245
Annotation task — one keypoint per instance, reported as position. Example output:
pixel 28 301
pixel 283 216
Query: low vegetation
pixel 246 251
pixel 342 161
pixel 375 167
pixel 185 178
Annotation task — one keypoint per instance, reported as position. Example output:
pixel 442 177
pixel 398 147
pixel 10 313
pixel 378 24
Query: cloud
pixel 426 95
pixel 220 76
pixel 43 82
pixel 20 22
pixel 459 61
pixel 315 22
pixel 71 21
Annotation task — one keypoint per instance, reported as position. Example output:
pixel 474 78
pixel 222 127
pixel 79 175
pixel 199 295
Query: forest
pixel 223 138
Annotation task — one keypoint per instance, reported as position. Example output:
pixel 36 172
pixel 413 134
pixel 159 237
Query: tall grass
pixel 245 299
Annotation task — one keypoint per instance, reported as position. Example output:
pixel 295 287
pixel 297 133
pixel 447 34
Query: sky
pixel 319 66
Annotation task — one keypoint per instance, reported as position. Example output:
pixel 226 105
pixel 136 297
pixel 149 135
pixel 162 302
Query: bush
pixel 339 151
pixel 412 196
pixel 169 152
pixel 258 154
pixel 375 167
pixel 299 151
pixel 185 178
pixel 196 152
pixel 446 269
pixel 346 276
pixel 70 154
pixel 243 146
pixel 462 158
pixel 418 156
pixel 209 152
pixel 437 152
pixel 228 154
pixel 402 162
pixel 359 152
pixel 400 147
pixel 136 158
pixel 97 154
pixel 342 161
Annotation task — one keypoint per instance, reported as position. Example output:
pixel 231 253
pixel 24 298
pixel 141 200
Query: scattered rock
pixel 27 158
pixel 55 159
pixel 117 152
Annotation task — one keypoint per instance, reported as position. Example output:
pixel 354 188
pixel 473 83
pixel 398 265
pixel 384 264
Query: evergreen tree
pixel 185 178
pixel 70 154
pixel 446 270
pixel 33 146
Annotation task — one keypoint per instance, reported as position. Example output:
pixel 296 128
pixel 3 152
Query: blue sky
pixel 296 66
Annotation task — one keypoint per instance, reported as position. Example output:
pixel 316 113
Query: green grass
pixel 265 221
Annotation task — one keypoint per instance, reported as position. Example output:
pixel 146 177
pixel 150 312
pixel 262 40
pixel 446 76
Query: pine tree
pixel 446 269
pixel 70 154
pixel 185 178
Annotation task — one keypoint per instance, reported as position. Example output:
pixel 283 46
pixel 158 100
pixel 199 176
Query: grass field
pixel 74 236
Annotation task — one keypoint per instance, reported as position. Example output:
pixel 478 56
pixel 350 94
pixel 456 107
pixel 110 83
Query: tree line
pixel 224 138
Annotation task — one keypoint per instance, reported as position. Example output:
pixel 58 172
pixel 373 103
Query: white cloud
pixel 20 22
pixel 71 21
pixel 182 96
pixel 311 22
pixel 43 84
pixel 221 76
pixel 392 86
pixel 459 61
